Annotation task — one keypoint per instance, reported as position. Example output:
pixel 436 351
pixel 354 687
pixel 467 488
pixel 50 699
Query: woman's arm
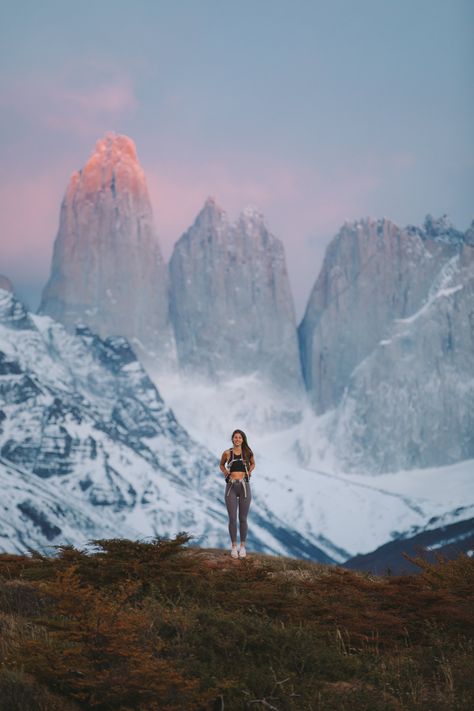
pixel 252 464
pixel 224 459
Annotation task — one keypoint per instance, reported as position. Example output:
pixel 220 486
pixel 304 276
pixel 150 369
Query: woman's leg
pixel 231 503
pixel 244 505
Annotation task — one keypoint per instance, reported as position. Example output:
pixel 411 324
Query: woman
pixel 237 465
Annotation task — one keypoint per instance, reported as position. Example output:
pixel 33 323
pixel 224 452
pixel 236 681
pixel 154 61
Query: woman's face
pixel 237 439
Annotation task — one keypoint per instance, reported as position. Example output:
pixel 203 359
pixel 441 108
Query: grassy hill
pixel 166 627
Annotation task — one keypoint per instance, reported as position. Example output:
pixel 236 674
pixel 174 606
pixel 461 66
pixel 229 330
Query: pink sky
pixel 333 113
pixel 296 205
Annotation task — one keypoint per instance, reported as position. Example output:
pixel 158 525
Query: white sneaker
pixel 242 552
pixel 234 553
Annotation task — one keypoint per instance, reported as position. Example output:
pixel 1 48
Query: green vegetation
pixel 160 626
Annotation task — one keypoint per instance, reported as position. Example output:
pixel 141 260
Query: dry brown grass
pixel 161 626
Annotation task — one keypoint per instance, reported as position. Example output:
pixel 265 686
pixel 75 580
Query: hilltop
pixel 160 625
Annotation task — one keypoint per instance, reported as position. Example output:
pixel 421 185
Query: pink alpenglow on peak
pixel 108 271
pixel 114 164
pixel 117 147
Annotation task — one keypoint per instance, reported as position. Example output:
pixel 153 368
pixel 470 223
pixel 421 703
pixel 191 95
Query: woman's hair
pixel 246 451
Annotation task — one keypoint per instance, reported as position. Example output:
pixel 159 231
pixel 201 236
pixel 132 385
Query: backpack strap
pixel 244 459
pixel 246 470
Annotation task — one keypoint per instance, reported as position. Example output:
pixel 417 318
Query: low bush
pixel 134 626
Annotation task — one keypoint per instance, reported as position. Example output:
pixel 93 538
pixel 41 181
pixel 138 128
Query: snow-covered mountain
pixel 231 303
pixel 299 480
pixel 388 345
pixel 447 541
pixel 378 378
pixel 384 351
pixel 108 271
pixel 35 514
pixel 411 401
pixel 373 273
pixel 88 448
pixel 81 414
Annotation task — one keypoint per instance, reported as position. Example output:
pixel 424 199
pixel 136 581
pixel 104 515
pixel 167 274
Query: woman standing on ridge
pixel 237 465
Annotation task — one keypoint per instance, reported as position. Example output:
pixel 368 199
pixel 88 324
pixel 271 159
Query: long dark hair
pixel 246 451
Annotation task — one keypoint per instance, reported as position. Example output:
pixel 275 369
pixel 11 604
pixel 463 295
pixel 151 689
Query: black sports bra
pixel 237 462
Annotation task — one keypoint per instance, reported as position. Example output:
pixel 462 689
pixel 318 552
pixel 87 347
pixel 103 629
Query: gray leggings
pixel 234 498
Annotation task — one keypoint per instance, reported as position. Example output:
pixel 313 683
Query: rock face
pixel 410 403
pixel 388 344
pixel 107 270
pixel 373 272
pixel 231 304
pixel 34 514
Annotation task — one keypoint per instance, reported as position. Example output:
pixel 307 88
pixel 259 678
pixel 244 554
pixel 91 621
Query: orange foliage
pixel 152 626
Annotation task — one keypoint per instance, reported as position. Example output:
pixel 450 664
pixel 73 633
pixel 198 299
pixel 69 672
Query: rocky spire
pixel 231 304
pixel 410 403
pixel 373 272
pixel 107 270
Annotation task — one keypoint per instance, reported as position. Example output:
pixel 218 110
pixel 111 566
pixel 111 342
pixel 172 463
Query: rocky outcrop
pixel 107 270
pixel 373 272
pixel 36 515
pixel 410 403
pixel 469 236
pixel 231 304
pixel 12 312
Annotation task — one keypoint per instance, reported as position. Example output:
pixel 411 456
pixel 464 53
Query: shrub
pixel 157 625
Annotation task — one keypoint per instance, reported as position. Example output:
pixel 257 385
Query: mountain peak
pixel 5 283
pixel 251 213
pixel 212 206
pixel 113 166
pixel 367 223
pixel 210 202
pixel 441 229
pixel 220 270
pixel 211 213
pixel 107 270
pixel 116 146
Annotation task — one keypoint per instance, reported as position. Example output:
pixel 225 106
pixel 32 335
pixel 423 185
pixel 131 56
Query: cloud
pixel 77 100
pixel 114 98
